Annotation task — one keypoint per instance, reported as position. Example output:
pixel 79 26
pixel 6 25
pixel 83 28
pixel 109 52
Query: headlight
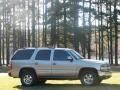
pixel 105 67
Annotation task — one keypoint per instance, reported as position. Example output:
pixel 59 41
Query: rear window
pixel 23 54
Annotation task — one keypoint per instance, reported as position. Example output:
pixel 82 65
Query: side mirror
pixel 70 58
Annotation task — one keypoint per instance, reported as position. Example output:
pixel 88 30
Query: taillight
pixel 10 66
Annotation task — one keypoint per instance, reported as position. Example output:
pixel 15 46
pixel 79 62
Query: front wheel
pixel 89 78
pixel 100 80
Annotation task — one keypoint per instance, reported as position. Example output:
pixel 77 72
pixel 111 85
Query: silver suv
pixel 33 65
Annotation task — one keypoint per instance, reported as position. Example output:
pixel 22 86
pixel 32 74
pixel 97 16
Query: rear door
pixel 42 62
pixel 61 66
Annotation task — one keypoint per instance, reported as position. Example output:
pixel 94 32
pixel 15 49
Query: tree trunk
pixel 76 30
pixel 116 32
pixel 111 35
pixel 89 35
pixel 0 44
pixel 83 44
pixel 33 23
pixel 38 38
pixel 3 36
pixel 14 31
pixel 65 25
pixel 28 26
pixel 101 29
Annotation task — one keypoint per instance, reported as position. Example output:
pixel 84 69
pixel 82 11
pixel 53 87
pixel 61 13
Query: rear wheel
pixel 28 78
pixel 89 78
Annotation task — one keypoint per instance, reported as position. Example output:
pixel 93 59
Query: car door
pixel 43 63
pixel 61 66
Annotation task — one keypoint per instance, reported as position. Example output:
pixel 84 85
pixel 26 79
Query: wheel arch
pixel 27 69
pixel 87 69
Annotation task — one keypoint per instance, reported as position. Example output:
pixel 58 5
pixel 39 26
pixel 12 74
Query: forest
pixel 91 27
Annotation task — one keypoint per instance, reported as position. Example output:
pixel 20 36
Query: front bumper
pixel 105 75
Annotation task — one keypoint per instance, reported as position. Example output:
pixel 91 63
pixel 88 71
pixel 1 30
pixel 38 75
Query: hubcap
pixel 88 79
pixel 27 79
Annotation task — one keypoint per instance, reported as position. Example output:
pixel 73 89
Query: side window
pixel 43 55
pixel 23 54
pixel 60 55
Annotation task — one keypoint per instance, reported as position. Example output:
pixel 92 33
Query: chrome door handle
pixel 54 63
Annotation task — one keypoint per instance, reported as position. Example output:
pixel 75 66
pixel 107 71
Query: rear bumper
pixel 9 74
pixel 14 75
pixel 105 75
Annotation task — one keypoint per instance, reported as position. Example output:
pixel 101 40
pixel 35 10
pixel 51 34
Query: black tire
pixel 28 78
pixel 100 80
pixel 89 78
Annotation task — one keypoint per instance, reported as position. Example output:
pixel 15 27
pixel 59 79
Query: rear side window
pixel 43 55
pixel 23 54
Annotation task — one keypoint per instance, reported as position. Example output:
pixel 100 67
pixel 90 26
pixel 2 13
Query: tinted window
pixel 43 55
pixel 60 55
pixel 23 54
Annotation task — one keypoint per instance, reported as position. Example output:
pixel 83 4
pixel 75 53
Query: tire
pixel 28 78
pixel 89 78
pixel 100 80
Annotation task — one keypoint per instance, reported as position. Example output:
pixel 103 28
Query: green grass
pixel 3 69
pixel 9 83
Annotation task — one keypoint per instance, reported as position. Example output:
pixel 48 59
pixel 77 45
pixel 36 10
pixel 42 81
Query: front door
pixel 61 66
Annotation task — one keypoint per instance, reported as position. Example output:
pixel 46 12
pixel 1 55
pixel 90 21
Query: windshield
pixel 76 55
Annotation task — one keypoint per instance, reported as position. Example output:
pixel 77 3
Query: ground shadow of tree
pixel 48 86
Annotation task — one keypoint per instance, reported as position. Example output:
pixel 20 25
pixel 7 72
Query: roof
pixel 46 48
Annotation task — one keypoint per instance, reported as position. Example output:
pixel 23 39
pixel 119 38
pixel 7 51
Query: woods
pixel 91 27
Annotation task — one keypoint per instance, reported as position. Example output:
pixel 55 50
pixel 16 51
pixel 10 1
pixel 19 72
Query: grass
pixel 9 83
pixel 3 69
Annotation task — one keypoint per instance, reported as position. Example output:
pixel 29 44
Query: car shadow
pixel 49 86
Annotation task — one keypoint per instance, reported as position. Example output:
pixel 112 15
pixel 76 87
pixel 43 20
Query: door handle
pixel 54 63
pixel 36 63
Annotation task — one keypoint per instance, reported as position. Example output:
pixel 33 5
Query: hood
pixel 90 63
pixel 94 61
